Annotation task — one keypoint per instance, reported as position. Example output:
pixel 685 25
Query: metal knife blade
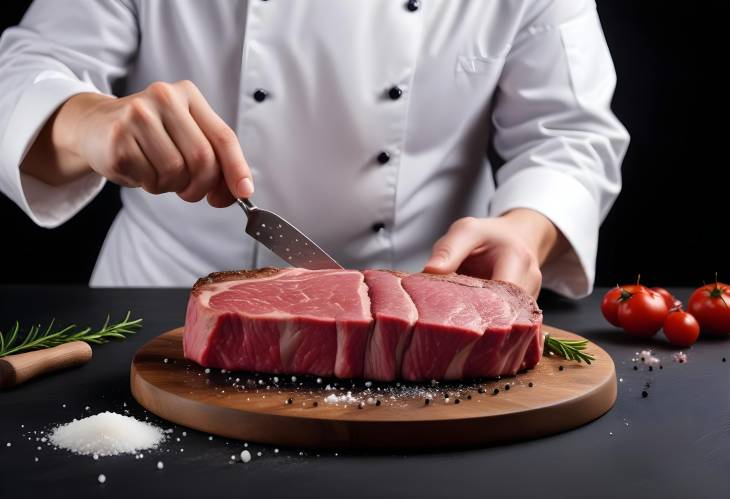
pixel 284 240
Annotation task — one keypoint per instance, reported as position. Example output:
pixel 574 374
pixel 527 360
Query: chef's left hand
pixel 511 247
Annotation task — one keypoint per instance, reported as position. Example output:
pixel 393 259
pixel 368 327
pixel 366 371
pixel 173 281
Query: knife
pixel 284 240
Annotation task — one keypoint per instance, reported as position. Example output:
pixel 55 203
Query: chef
pixel 365 124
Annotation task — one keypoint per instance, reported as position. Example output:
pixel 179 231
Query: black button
pixel 378 226
pixel 260 95
pixel 413 5
pixel 395 92
pixel 383 157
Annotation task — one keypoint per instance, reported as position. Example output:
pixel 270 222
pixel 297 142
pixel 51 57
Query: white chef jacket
pixel 372 136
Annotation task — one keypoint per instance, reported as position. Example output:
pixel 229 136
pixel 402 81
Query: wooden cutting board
pixel 557 395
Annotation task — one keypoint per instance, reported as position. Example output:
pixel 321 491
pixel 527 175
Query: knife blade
pixel 284 240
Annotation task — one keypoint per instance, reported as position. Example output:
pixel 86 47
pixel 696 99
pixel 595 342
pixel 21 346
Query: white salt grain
pixel 102 478
pixel 160 465
pixel 106 434
pixel 8 444
pixel 245 456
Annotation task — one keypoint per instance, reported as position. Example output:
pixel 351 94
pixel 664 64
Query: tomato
pixel 681 328
pixel 669 298
pixel 643 313
pixel 609 305
pixel 710 305
pixel 612 298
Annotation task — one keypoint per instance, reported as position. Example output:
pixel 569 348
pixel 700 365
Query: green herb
pixel 37 337
pixel 568 349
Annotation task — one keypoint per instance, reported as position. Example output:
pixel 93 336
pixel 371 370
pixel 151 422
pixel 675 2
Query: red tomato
pixel 609 305
pixel 669 298
pixel 612 298
pixel 643 313
pixel 681 328
pixel 710 305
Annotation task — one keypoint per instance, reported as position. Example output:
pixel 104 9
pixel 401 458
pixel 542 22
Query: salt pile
pixel 106 434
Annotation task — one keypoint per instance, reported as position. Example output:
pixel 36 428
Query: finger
pixel 158 147
pixel 199 156
pixel 453 248
pixel 220 196
pixel 140 170
pixel 511 268
pixel 224 141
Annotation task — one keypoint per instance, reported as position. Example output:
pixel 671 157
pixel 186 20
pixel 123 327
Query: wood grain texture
pixel 19 368
pixel 559 400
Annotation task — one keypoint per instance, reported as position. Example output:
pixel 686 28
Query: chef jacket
pixel 366 124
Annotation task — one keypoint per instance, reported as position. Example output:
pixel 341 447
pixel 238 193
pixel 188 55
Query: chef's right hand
pixel 165 138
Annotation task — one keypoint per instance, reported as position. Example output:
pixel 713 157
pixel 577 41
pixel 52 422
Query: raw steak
pixel 395 315
pixel 280 321
pixel 376 324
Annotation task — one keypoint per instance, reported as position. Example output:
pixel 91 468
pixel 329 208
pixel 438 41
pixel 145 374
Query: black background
pixel 667 223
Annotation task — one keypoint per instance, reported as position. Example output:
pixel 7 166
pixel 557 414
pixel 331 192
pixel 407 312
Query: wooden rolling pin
pixel 17 369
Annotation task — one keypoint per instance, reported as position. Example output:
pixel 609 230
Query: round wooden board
pixel 258 408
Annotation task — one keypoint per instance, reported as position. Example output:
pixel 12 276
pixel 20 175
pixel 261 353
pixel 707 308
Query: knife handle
pixel 17 369
pixel 246 205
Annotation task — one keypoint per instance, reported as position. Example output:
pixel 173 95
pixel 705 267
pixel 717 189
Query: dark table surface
pixel 673 443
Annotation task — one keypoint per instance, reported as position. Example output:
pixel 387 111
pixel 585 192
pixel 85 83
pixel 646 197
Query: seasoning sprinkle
pixel 636 368
pixel 644 394
pixel 315 403
pixel 481 390
pixel 468 397
pixel 377 402
pixel 289 401
pixel 427 401
pixel 506 387
pixel 495 391
pixel 560 368
pixel 457 401
pixel 530 384
pixel 651 368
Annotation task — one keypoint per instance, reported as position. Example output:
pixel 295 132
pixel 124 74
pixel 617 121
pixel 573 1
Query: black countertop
pixel 673 443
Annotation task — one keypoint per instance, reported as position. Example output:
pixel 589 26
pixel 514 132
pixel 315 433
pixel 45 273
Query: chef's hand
pixel 511 247
pixel 165 138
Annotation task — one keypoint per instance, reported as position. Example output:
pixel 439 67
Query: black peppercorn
pixel 377 402
pixel 289 401
pixel 428 401
pixel 661 366
pixel 530 384
pixel 481 390
pixel 636 368
pixel 468 397
pixel 495 391
pixel 315 403
pixel 506 387
pixel 724 359
pixel 561 368
pixel 446 395
pixel 457 401
pixel 644 394
pixel 651 368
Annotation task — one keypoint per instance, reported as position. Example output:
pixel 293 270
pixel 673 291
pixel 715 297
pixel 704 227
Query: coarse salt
pixel 245 456
pixel 106 434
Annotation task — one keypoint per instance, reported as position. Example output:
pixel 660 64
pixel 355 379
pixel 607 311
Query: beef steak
pixel 376 324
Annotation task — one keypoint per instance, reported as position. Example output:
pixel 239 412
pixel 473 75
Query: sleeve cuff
pixel 48 206
pixel 572 209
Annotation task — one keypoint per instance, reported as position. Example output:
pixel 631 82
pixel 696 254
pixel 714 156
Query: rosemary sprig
pixel 37 337
pixel 568 349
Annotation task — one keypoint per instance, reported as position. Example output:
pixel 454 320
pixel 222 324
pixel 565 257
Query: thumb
pixel 451 250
